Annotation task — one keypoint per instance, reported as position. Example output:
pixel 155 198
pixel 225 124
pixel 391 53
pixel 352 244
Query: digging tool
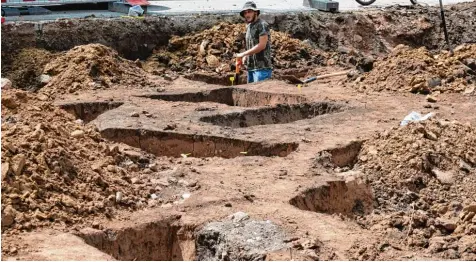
pixel 295 80
pixel 238 63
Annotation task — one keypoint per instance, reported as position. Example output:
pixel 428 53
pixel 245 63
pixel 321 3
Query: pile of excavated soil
pixel 213 49
pixel 423 178
pixel 58 172
pixel 417 71
pixel 92 66
pixel 27 67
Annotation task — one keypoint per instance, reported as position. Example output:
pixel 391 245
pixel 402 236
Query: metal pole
pixel 445 30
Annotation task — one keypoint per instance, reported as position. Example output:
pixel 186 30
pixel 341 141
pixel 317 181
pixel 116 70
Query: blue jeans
pixel 259 75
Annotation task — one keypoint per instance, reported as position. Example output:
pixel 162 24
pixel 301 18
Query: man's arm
pixel 263 40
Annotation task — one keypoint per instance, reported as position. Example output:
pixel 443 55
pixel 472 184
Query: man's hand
pixel 240 55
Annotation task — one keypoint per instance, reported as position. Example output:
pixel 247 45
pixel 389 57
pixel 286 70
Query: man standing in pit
pixel 257 57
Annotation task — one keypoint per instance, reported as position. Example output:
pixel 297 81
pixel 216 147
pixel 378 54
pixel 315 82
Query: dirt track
pixel 119 159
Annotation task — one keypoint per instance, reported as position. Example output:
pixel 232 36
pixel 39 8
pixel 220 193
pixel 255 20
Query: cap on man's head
pixel 249 6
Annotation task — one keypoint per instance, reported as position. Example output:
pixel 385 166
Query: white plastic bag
pixel 136 11
pixel 415 117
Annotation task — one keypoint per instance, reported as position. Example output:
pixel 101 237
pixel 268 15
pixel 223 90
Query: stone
pixel 5 169
pixel 6 83
pixel 459 229
pixel 9 102
pixel 239 217
pixel 18 164
pixel 77 133
pixel 449 225
pixel 213 61
pixel 8 216
pixel 470 208
pixel 114 149
pixel 442 176
pixel 153 196
pixel 133 155
pixel 134 167
pixel 469 216
pixel 183 182
pixel 434 82
pixel 67 201
pixel 42 97
pixel 96 167
pixel 431 99
pixel 134 114
pixel 119 197
pixel 464 166
pixel 135 180
pixel 203 47
pixel 153 167
pixel 40 215
pixel 111 168
pixel 44 79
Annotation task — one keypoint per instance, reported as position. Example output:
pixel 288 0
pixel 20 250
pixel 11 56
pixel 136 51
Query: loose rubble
pixel 239 238
pixel 418 71
pixel 90 67
pixel 212 51
pixel 56 171
pixel 424 177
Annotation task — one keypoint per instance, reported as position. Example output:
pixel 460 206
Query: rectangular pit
pixel 88 111
pixel 280 114
pixel 172 144
pixel 231 96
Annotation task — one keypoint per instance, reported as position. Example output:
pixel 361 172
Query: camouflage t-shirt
pixel 261 60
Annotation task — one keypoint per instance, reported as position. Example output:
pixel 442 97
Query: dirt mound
pixel 424 181
pixel 417 71
pixel 27 67
pixel 213 49
pixel 92 66
pixel 57 171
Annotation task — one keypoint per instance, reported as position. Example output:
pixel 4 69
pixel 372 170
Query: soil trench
pixel 173 144
pixel 232 97
pixel 280 114
pixel 88 111
pixel 163 240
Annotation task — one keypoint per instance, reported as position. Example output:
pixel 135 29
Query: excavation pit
pixel 88 111
pixel 342 156
pixel 162 143
pixel 280 114
pixel 224 80
pixel 163 240
pixel 232 97
pixel 349 198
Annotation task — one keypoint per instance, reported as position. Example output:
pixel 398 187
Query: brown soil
pixel 212 51
pixel 423 180
pixel 418 71
pixel 374 191
pixel 27 68
pixel 57 171
pixel 92 66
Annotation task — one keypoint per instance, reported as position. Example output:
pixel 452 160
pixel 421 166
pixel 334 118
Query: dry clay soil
pixel 111 168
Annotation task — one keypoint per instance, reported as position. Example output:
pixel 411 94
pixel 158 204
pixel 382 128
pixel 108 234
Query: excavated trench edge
pixel 336 197
pixel 161 240
pixel 351 196
pixel 231 96
pixel 172 144
pixel 280 114
pixel 88 111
